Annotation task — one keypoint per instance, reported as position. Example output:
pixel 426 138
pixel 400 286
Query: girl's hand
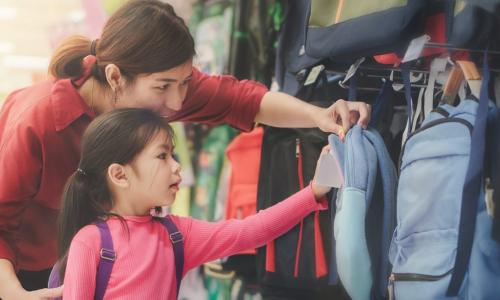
pixel 342 115
pixel 320 191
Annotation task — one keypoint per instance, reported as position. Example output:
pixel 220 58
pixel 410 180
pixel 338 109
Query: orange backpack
pixel 244 154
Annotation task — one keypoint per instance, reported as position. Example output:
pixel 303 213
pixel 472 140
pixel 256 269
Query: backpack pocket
pixel 422 265
pixel 353 259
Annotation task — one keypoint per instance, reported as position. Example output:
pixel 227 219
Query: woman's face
pixel 163 92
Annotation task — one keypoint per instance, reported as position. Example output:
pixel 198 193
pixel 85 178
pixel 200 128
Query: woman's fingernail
pixel 341 133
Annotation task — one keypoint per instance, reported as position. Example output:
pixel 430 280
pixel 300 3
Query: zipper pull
pixel 390 287
pixel 297 147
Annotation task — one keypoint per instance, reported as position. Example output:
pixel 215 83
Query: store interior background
pixel 31 29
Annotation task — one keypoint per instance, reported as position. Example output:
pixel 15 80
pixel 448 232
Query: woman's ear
pixel 113 77
pixel 118 176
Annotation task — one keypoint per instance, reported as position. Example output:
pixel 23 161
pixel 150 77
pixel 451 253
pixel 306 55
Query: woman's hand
pixel 45 294
pixel 11 288
pixel 320 191
pixel 342 115
pixel 41 294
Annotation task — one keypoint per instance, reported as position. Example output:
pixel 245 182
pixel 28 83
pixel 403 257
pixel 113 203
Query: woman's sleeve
pixel 20 171
pixel 221 99
pixel 206 241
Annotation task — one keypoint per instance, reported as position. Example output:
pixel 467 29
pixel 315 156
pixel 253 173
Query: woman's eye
pixel 162 88
pixel 186 82
pixel 162 156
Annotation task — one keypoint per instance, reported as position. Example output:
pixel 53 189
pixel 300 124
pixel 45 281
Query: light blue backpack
pixel 364 217
pixel 441 248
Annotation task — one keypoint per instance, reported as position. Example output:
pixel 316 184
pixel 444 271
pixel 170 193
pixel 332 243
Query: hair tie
pixel 93 45
pixel 81 172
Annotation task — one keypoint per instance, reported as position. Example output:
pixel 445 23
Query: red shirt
pixel 40 134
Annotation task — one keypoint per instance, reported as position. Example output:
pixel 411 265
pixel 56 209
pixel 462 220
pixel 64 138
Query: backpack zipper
pixel 298 155
pixel 411 277
pixel 417 277
pixel 441 111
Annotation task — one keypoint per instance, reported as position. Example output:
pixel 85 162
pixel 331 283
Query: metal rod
pixel 451 47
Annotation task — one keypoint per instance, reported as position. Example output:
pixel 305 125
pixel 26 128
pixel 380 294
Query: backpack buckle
pixel 176 237
pixel 107 254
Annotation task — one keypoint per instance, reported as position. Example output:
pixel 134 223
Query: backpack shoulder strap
pixel 106 260
pixel 472 188
pixel 177 240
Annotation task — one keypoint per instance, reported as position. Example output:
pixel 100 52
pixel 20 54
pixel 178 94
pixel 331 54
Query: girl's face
pixel 153 175
pixel 163 92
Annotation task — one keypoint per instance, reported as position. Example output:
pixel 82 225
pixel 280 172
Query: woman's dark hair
pixel 141 37
pixel 114 137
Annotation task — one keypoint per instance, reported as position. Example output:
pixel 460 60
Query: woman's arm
pixel 223 99
pixel 20 167
pixel 281 110
pixel 11 289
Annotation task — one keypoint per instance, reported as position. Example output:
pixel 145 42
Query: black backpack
pixel 295 265
pixel 287 164
pixel 473 24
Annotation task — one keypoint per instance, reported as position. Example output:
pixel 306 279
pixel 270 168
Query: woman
pixel 143 60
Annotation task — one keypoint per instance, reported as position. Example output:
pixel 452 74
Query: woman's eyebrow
pixel 173 79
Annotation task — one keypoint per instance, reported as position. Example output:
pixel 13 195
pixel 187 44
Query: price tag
pixel 313 75
pixel 329 171
pixel 415 48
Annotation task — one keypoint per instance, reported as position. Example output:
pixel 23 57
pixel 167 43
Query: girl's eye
pixel 162 156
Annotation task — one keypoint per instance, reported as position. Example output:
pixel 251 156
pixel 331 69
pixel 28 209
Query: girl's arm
pixel 79 280
pixel 206 241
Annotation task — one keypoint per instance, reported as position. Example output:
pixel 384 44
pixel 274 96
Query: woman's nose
pixel 174 101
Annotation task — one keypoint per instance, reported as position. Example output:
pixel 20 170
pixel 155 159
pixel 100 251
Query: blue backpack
pixel 108 257
pixel 364 219
pixel 441 247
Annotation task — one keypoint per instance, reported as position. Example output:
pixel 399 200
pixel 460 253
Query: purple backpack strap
pixel 106 261
pixel 178 245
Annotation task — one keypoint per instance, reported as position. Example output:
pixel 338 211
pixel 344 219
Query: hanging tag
pixel 488 198
pixel 329 171
pixel 352 70
pixel 415 48
pixel 472 75
pixel 313 75
pixel 475 87
pixel 395 86
pixel 302 50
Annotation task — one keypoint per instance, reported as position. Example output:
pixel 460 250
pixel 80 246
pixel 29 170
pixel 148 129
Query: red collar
pixel 67 104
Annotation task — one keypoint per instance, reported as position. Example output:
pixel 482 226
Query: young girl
pixel 127 168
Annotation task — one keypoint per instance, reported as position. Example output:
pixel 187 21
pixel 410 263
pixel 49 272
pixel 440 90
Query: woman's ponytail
pixel 66 62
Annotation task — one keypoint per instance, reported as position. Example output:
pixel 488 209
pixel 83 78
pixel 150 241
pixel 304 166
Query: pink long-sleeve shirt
pixel 144 268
